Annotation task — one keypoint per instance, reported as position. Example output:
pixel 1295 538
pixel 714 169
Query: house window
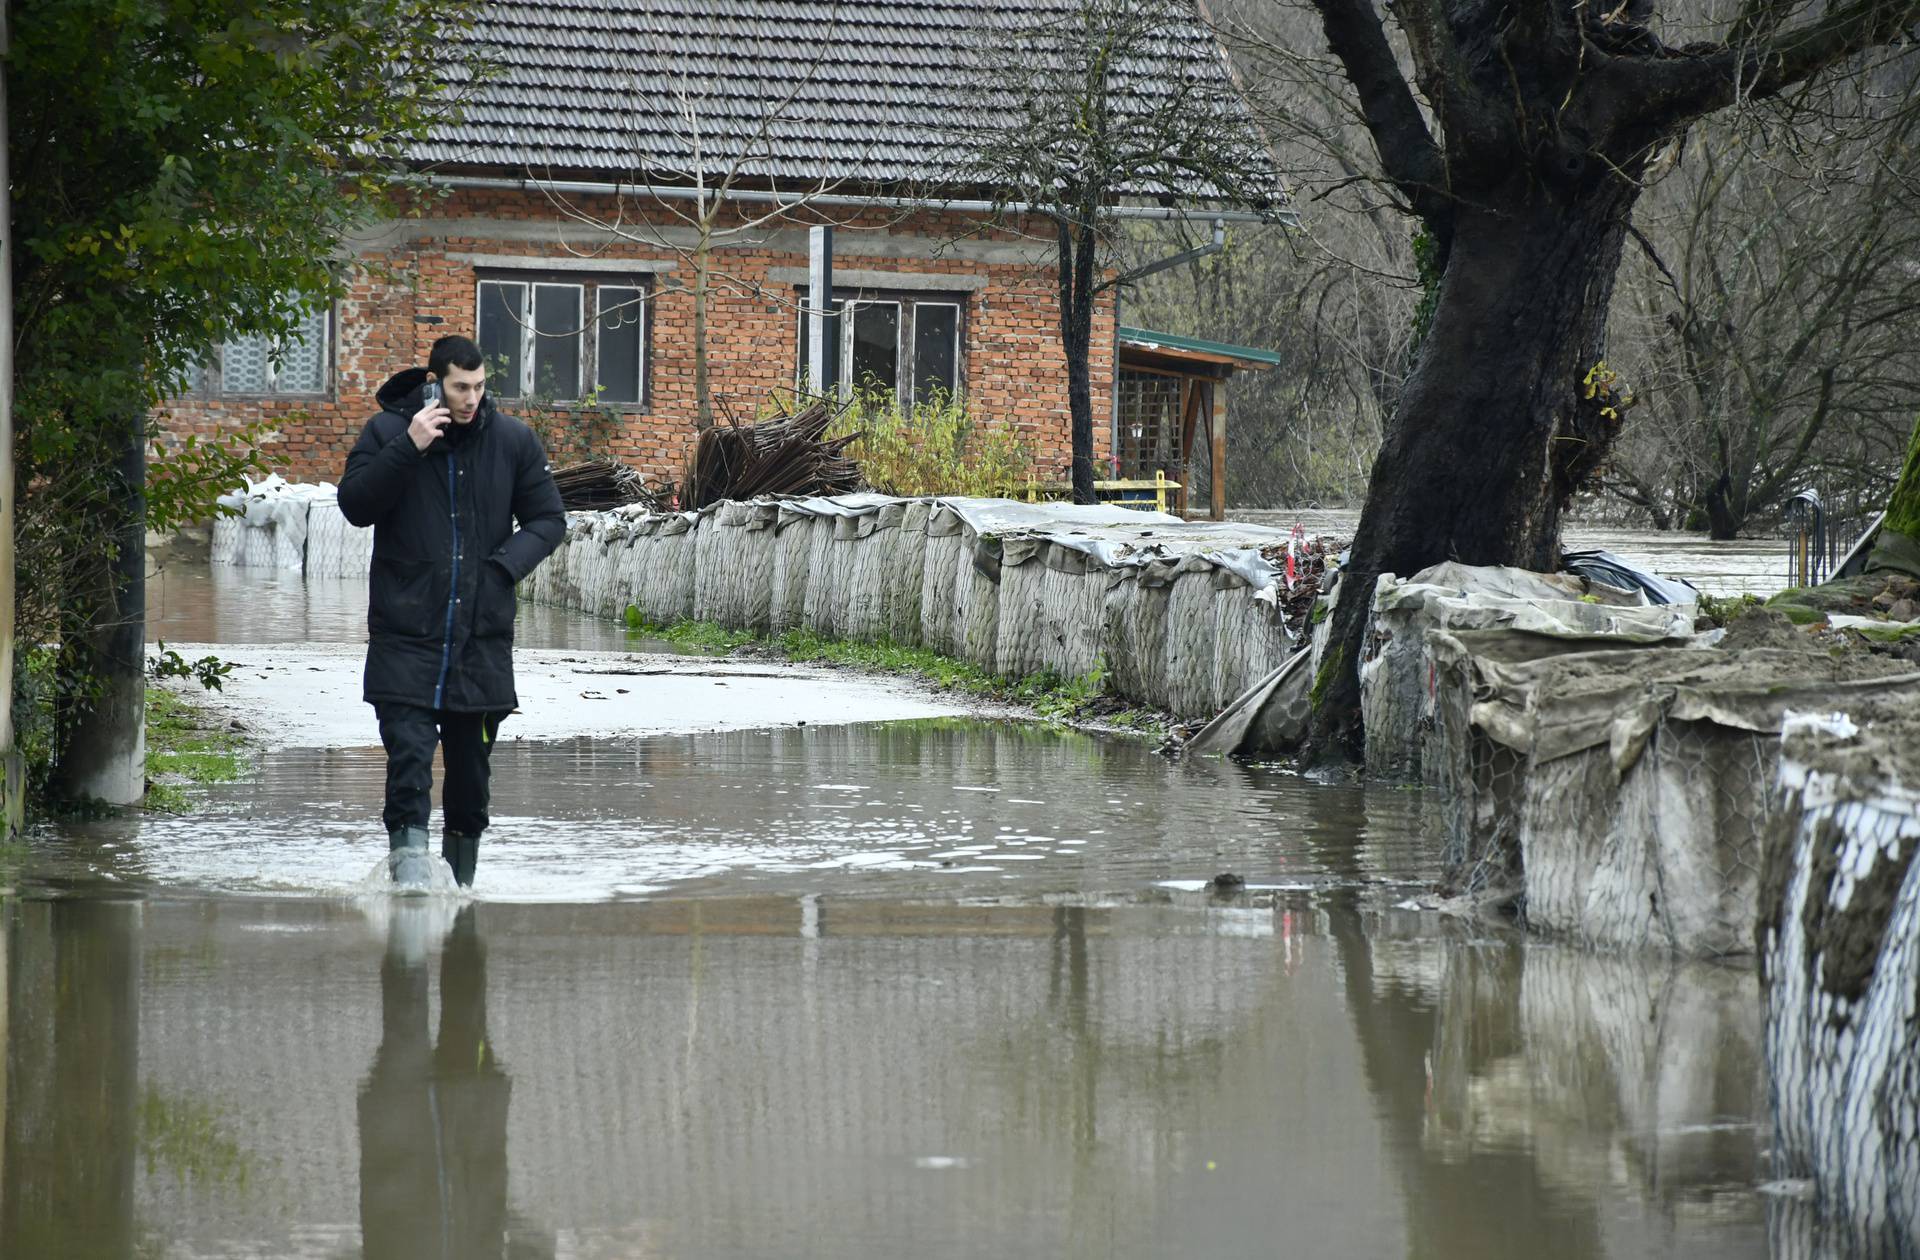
pixel 540 342
pixel 906 345
pixel 261 365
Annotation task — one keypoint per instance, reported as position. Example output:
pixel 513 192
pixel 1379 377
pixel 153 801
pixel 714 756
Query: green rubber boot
pixel 408 860
pixel 462 853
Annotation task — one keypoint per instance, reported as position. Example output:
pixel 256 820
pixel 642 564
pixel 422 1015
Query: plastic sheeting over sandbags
pixel 1619 795
pixel 1396 673
pixel 1839 940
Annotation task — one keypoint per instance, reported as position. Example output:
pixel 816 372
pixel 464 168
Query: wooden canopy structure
pixel 1170 393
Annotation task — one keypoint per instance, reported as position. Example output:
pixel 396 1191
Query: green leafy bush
pixel 937 446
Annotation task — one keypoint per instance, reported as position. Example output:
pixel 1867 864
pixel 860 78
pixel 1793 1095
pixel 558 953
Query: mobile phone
pixel 431 395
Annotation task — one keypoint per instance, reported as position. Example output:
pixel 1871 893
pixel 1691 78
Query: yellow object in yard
pixel 1128 493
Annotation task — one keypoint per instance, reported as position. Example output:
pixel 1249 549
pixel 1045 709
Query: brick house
pixel 550 222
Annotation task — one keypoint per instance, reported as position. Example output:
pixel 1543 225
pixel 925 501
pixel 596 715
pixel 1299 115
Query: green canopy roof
pixel 1171 343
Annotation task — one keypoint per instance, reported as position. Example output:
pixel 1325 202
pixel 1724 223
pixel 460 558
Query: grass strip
pixel 1053 698
pixel 185 746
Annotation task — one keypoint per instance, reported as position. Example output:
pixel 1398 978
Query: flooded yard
pixel 945 984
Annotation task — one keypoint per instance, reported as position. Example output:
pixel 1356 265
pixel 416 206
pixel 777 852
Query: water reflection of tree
pixel 72 1088
pixel 433 1113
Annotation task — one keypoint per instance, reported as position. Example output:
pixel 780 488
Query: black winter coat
pixel 440 601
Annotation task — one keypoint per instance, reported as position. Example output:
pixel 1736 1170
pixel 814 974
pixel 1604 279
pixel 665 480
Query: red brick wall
pixel 1015 371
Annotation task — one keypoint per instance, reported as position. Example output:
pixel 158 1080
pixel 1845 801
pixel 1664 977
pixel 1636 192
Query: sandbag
pixel 1619 796
pixel 1192 610
pixel 1839 943
pixel 902 584
pixel 792 569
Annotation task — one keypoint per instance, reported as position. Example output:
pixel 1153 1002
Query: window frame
pixel 212 385
pixel 908 302
pixel 645 305
pixel 588 286
pixel 911 336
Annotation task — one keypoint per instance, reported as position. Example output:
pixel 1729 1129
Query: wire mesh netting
pixel 1839 941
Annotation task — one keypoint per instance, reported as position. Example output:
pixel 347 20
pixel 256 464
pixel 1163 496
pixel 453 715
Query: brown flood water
pixel 947 988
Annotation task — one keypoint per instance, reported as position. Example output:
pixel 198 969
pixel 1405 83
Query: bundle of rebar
pixel 599 484
pixel 786 455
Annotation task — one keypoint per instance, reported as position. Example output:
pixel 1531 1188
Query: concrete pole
pixel 103 739
pixel 12 771
pixel 819 301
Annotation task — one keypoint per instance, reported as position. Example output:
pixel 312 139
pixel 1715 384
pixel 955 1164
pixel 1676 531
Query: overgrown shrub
pixel 937 446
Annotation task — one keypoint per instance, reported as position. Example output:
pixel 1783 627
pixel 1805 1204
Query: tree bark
pixel 102 737
pixel 1078 245
pixel 702 390
pixel 1495 430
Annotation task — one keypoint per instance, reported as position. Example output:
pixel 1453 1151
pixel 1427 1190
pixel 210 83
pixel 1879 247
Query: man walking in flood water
pixel 443 477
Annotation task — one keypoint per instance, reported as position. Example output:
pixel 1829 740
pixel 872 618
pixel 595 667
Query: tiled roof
pixel 862 91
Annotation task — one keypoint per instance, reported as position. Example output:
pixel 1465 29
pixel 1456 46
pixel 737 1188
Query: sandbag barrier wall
pixel 296 534
pixel 1177 632
pixel 1622 794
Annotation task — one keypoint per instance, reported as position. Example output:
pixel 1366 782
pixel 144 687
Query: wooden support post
pixel 1218 482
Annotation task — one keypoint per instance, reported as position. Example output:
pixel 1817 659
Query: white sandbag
pixel 792 569
pixel 674 594
pixel 1620 795
pixel 1191 631
pixel 821 614
pixel 1022 622
pixel 229 539
pixel 335 548
pixel 1839 941
pixel 712 543
pixel 870 554
pixel 945 542
pixel 976 612
pixel 904 580
pixel 1396 695
pixel 1072 590
pixel 1135 612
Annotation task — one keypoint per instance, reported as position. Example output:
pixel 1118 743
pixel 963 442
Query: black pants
pixel 410 733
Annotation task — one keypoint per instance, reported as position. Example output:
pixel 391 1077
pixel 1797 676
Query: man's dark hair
pixel 449 352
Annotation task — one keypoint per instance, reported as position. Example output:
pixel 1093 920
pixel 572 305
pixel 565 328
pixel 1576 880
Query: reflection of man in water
pixel 433 1116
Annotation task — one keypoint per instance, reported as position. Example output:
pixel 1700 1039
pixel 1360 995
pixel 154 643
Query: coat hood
pixel 401 396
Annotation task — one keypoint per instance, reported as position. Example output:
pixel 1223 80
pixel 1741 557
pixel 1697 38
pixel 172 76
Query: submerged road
pixel 897 980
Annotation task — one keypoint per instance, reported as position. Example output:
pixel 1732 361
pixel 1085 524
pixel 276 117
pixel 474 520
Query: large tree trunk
pixel 102 751
pixel 1494 430
pixel 1897 549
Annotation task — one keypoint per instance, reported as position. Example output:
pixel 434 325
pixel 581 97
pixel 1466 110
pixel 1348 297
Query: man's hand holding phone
pixel 432 418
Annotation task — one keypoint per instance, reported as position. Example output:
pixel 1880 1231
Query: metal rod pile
pixel 787 455
pixel 599 484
